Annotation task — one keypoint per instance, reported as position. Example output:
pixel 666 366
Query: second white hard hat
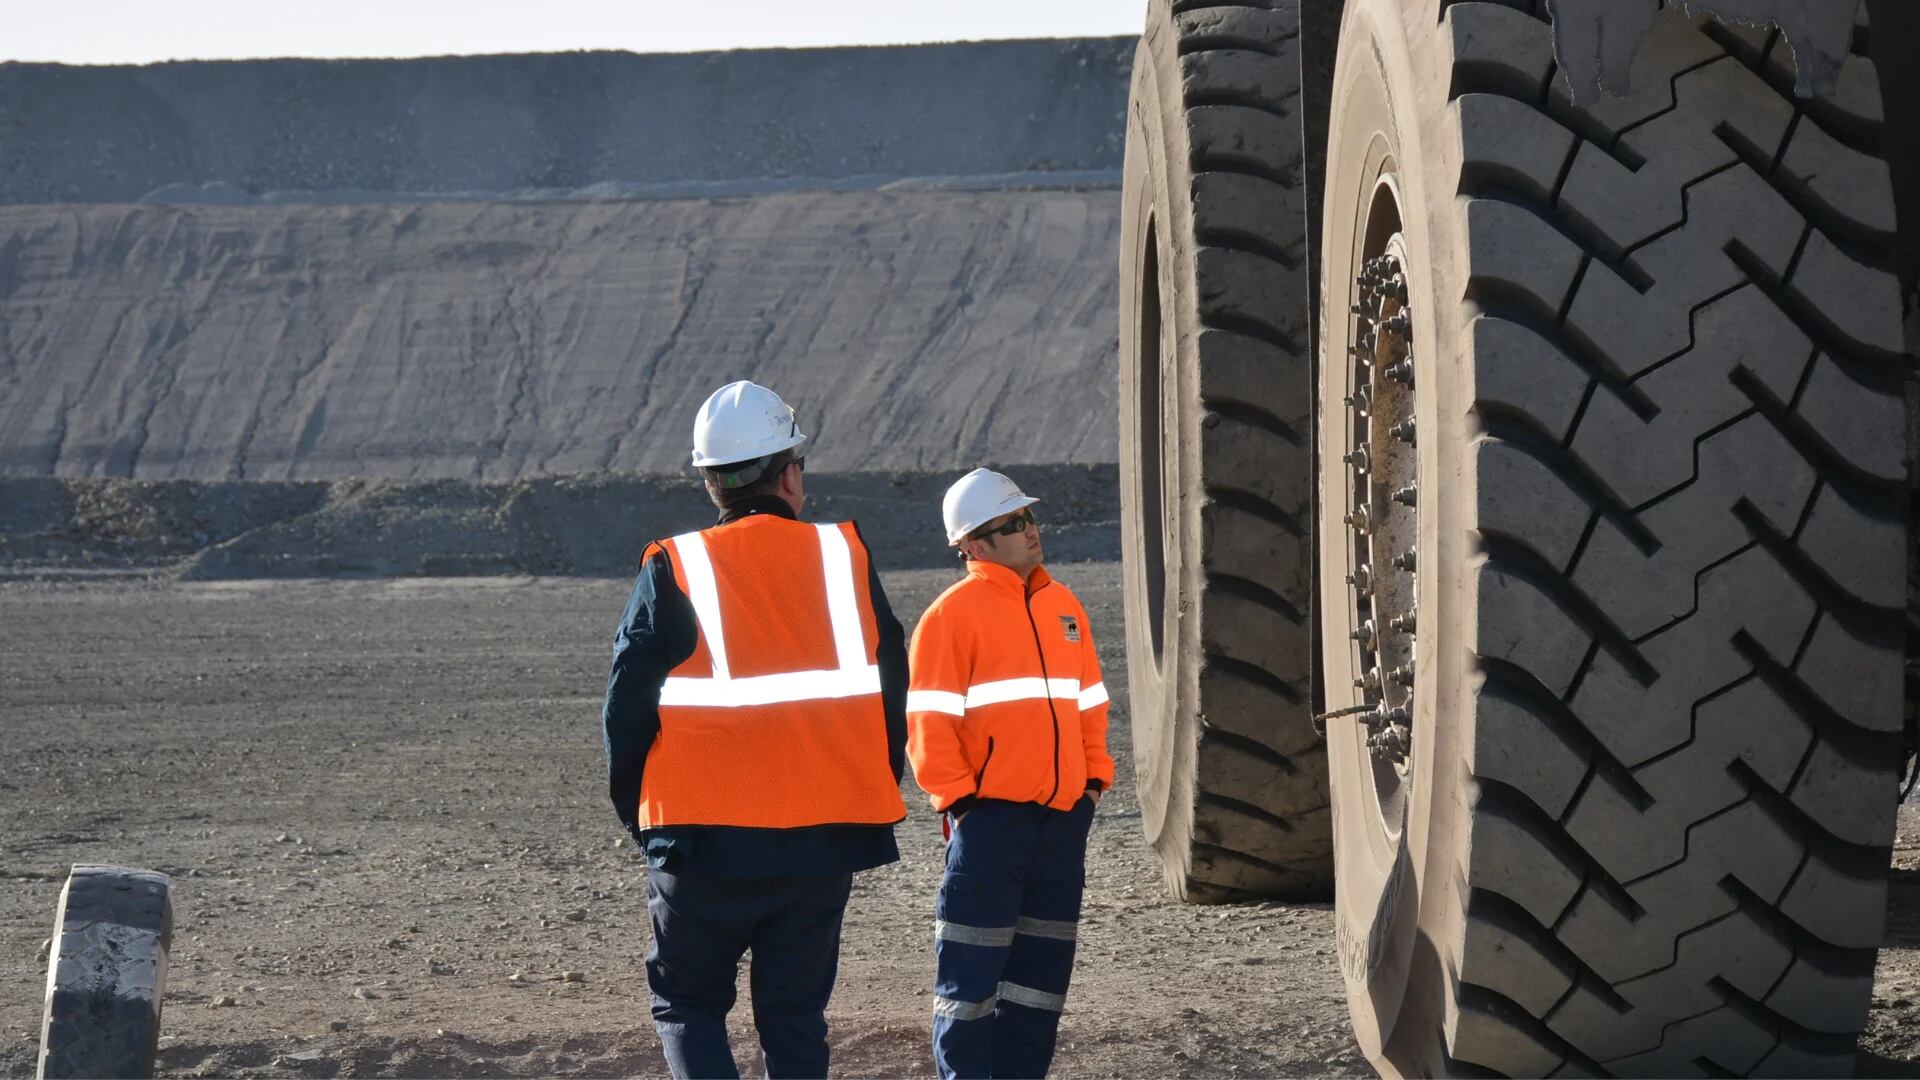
pixel 743 422
pixel 977 498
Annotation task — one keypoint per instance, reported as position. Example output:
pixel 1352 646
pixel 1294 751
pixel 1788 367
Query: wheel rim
pixel 1382 510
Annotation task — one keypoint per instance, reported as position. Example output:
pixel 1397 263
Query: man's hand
pixel 1094 794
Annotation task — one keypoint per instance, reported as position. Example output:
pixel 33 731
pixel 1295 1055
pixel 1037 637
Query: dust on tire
pixel 1216 455
pixel 1657 737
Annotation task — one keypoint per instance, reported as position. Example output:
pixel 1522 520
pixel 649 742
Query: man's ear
pixel 789 480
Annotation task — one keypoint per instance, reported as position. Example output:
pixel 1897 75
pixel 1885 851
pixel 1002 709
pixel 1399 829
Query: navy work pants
pixel 701 928
pixel 1006 921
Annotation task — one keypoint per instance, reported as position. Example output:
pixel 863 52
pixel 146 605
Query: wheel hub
pixel 1383 515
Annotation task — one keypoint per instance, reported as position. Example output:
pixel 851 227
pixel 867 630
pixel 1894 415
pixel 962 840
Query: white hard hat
pixel 743 422
pixel 977 498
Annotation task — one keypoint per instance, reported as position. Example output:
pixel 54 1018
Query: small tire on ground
pixel 1216 388
pixel 107 974
pixel 1662 515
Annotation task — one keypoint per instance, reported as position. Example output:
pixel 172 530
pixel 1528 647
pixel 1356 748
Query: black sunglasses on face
pixel 1016 524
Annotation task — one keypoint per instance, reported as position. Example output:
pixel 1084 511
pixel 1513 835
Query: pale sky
pixel 144 31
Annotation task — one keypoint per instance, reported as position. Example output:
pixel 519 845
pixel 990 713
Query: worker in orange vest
pixel 1007 730
pixel 755 730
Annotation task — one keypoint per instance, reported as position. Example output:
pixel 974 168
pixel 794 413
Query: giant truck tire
pixel 1612 408
pixel 1216 392
pixel 107 974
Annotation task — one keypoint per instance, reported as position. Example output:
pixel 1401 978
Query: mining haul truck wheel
pixel 1611 550
pixel 1216 390
pixel 107 974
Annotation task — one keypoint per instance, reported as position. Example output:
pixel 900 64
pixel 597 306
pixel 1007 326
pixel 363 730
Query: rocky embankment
pixel 594 525
pixel 494 341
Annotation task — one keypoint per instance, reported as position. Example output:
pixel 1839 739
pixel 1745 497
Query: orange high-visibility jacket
pixel 1005 699
pixel 776 719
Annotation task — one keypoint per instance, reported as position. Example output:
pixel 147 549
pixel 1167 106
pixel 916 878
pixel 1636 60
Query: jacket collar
pixel 771 505
pixel 1003 578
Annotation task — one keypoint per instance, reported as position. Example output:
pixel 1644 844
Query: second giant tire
pixel 1216 392
pixel 1649 807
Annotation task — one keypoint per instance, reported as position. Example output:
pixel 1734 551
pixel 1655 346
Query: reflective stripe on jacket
pixel 1005 698
pixel 775 720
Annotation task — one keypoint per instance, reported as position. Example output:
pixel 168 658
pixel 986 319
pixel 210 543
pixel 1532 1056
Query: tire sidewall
pixel 1390 925
pixel 1163 695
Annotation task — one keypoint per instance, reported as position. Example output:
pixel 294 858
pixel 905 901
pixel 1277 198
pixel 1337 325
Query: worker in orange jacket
pixel 755 729
pixel 1007 732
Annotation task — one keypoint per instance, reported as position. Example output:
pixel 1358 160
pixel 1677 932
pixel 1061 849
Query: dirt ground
pixel 383 806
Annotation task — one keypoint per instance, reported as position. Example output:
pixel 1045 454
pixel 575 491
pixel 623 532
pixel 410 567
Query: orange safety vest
pixel 1006 699
pixel 776 720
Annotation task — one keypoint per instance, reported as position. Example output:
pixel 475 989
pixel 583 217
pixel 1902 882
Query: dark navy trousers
pixel 1006 921
pixel 701 928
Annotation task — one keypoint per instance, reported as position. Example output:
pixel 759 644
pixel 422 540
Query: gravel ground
pixel 382 803
pixel 383 800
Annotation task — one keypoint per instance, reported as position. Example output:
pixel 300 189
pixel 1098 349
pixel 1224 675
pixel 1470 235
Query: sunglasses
pixel 1016 524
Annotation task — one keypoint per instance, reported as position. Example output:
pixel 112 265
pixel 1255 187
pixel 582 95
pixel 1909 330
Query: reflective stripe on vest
pixel 775 718
pixel 1005 690
pixel 853 678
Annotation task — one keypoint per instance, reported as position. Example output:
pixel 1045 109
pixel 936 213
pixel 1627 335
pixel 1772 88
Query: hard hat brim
pixel 797 443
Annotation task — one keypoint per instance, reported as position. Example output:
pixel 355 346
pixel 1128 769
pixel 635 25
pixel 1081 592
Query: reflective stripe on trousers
pixel 1057 929
pixel 855 677
pixel 1014 992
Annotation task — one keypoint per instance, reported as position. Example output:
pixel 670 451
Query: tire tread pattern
pixel 1691 490
pixel 1261 818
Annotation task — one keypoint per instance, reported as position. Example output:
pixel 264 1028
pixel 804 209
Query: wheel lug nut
pixel 1390 744
pixel 1364 633
pixel 1401 676
pixel 1408 495
pixel 1402 623
pixel 1357 459
pixel 1359 520
pixel 1404 431
pixel 1361 579
pixel 1406 560
pixel 1370 681
pixel 1401 372
pixel 1387 717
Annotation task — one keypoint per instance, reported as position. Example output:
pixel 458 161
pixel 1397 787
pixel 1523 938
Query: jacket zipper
pixel 1041 650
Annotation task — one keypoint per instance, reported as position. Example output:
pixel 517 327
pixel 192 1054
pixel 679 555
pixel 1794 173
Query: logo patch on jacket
pixel 1072 626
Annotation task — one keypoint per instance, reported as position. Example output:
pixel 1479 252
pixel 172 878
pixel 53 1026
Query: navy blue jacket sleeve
pixel 892 655
pixel 656 634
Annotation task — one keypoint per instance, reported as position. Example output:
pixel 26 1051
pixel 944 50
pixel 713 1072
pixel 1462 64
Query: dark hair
pixel 725 488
